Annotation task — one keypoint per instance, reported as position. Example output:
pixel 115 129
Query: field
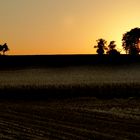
pixel 103 81
pixel 78 118
pixel 100 102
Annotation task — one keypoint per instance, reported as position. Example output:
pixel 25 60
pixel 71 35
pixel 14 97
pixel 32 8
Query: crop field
pixel 70 76
pixel 73 102
pixel 87 80
pixel 80 75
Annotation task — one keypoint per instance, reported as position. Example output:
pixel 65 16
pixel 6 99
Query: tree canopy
pixel 112 49
pixel 4 48
pixel 101 46
pixel 131 41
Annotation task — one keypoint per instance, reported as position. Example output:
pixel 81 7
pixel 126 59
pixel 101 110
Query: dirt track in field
pixel 70 119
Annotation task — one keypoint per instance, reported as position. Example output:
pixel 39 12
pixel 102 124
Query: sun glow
pixel 65 27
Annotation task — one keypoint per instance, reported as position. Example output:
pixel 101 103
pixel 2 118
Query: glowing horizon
pixel 64 26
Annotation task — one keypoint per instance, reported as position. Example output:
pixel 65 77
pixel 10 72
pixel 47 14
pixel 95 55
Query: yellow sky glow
pixel 64 26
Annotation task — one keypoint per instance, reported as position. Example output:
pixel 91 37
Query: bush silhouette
pixel 4 48
pixel 112 49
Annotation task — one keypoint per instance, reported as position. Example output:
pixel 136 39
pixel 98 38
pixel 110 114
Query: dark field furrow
pixel 56 133
pixel 44 129
pixel 36 133
pixel 64 123
pixel 14 129
pixel 92 118
pixel 83 118
pixel 108 117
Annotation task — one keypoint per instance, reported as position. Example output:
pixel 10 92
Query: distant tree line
pixel 130 43
pixel 102 47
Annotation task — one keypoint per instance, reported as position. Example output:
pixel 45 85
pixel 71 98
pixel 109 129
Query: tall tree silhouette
pixel 101 46
pixel 131 41
pixel 112 49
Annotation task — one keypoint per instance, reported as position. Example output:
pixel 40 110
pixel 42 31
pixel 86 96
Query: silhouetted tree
pixel 1 48
pixel 4 48
pixel 101 46
pixel 112 49
pixel 131 41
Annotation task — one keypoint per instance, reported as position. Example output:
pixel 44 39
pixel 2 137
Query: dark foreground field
pixel 75 101
pixel 70 119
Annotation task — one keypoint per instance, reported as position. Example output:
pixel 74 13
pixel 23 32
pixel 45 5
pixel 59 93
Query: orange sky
pixel 64 26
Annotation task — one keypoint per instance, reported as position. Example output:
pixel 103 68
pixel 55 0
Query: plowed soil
pixel 70 119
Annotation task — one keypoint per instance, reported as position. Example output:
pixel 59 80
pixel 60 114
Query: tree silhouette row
pixel 130 44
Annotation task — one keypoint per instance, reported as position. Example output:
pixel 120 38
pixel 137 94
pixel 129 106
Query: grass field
pixel 71 102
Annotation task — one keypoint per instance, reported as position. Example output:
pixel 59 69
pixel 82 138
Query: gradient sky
pixel 64 26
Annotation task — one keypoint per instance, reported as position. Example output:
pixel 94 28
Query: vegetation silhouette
pixel 112 49
pixel 131 41
pixel 101 46
pixel 4 48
